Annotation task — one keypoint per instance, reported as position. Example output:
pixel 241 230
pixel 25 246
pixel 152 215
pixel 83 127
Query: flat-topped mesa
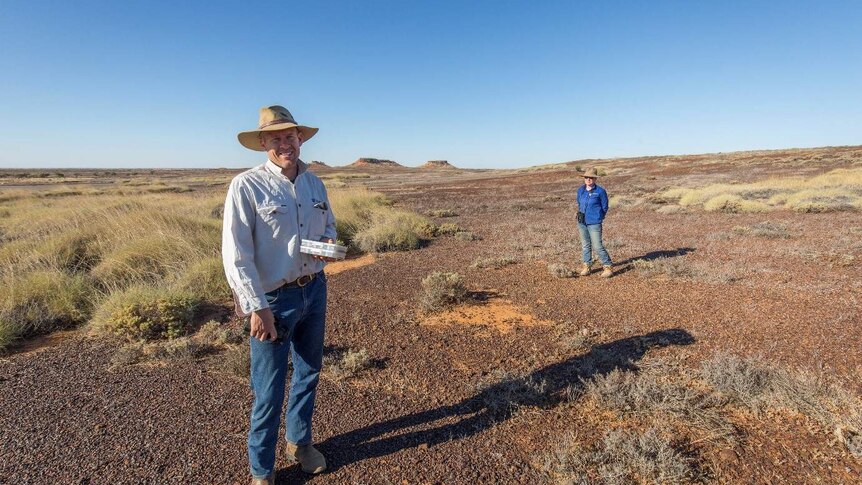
pixel 438 164
pixel 374 162
pixel 318 163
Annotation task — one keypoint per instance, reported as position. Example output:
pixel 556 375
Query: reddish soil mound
pixel 374 162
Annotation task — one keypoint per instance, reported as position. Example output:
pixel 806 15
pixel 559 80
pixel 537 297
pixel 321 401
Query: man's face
pixel 589 181
pixel 282 146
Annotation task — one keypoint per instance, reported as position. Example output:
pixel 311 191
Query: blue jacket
pixel 593 203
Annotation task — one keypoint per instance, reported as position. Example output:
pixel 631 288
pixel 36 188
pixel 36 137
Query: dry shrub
pixel 623 457
pixel 146 313
pixel 466 236
pixel 733 204
pixel 660 392
pixel 347 364
pixel 562 270
pixel 442 213
pixel 206 279
pixel 237 361
pixel 448 229
pixel 504 394
pixel 40 302
pixel 495 263
pixel 766 229
pixel 217 333
pixel 670 267
pixel 441 290
pixel 757 384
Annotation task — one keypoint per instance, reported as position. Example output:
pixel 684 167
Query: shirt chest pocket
pixel 317 220
pixel 281 219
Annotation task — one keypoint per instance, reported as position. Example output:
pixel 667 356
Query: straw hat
pixel 591 172
pixel 273 118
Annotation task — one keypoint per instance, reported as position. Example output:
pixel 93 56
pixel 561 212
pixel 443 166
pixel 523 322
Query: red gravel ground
pixel 420 414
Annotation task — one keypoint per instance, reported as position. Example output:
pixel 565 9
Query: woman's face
pixel 589 182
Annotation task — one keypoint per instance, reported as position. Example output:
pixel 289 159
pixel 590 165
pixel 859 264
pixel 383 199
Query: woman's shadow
pixel 544 388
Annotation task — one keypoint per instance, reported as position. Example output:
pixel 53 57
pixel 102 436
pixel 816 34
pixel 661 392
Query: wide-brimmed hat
pixel 591 172
pixel 273 118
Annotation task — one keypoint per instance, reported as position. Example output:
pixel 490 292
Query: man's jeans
pixel 300 315
pixel 591 238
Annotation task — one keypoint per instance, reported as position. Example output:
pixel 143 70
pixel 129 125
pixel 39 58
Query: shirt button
pixel 300 225
pixel 305 264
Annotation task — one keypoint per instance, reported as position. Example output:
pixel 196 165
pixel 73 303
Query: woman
pixel 592 208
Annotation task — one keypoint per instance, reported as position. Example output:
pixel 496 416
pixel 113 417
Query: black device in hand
pixel 582 218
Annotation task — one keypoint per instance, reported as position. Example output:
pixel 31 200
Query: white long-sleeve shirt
pixel 265 218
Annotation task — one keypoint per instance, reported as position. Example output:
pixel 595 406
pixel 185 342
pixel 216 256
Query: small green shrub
pixel 217 333
pixel 442 290
pixel 147 313
pixel 237 361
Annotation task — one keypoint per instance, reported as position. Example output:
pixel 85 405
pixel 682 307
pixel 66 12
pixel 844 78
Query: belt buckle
pixel 304 280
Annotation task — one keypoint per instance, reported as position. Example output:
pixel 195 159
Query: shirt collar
pixel 276 170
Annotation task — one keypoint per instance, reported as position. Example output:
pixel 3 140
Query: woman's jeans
pixel 591 238
pixel 300 314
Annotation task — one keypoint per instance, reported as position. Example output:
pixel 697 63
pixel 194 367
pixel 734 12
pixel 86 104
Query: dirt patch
pixel 347 264
pixel 497 314
pixel 45 341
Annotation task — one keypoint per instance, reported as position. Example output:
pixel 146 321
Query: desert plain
pixel 725 349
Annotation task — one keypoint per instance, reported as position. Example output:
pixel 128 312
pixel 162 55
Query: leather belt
pixel 301 281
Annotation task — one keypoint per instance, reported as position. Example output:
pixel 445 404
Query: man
pixel 268 211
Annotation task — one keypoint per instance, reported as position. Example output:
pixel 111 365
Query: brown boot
pixel 270 480
pixel 608 272
pixel 311 460
pixel 585 269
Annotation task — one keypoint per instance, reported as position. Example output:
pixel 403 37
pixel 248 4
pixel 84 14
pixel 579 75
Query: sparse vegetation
pixel 622 457
pixel 448 229
pixel 441 290
pixel 670 267
pixel 367 221
pixel 504 394
pixel 495 263
pixel 836 190
pixel 466 236
pixel 146 313
pixel 442 213
pixel 562 270
pixel 766 229
pixel 346 364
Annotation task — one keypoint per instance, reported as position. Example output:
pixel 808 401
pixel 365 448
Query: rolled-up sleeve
pixel 238 249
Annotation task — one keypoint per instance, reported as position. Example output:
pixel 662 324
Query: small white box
pixel 318 248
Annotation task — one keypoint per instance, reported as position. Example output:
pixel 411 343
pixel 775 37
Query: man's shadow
pixel 543 388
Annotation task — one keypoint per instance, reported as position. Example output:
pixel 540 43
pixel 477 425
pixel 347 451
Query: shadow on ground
pixel 543 388
pixel 626 265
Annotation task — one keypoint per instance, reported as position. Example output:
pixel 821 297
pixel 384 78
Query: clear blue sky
pixel 481 84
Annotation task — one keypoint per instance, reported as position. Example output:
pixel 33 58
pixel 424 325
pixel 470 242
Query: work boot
pixel 585 269
pixel 270 480
pixel 311 460
pixel 608 272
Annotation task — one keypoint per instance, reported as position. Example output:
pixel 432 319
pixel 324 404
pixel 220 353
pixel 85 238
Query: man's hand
pixel 325 258
pixel 263 325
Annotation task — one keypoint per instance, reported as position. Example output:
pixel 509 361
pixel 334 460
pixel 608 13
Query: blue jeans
pixel 591 238
pixel 300 317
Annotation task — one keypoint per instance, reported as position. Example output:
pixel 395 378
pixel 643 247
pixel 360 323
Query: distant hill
pixel 438 164
pixel 374 162
pixel 317 163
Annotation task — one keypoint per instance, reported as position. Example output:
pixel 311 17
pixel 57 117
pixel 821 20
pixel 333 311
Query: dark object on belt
pixel 582 218
pixel 301 281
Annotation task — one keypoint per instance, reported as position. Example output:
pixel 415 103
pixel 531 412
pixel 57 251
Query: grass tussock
pixel 441 290
pixel 504 394
pixel 442 213
pixel 366 221
pixel 837 190
pixel 766 230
